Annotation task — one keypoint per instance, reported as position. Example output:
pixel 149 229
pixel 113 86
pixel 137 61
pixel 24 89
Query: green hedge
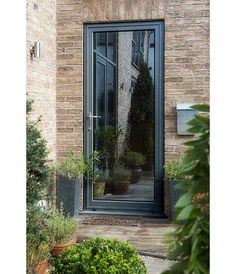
pixel 38 171
pixel 101 256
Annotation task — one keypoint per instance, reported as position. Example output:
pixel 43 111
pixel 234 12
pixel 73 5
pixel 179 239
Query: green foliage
pixel 140 121
pixel 102 177
pixel 107 141
pixel 38 172
pixel 133 158
pixel 121 173
pixel 60 229
pixel 89 166
pixel 72 167
pixel 38 242
pixel 174 169
pixel 39 176
pixel 190 241
pixel 100 256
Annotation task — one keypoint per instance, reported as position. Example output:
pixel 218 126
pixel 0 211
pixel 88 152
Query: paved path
pixel 156 265
pixel 148 237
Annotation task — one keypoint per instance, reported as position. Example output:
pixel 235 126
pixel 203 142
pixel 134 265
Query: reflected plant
pixel 140 132
pixel 107 142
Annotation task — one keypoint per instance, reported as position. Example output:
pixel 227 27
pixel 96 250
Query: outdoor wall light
pixel 35 50
pixel 184 114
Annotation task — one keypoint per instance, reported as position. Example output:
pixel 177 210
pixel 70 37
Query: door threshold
pixel 125 213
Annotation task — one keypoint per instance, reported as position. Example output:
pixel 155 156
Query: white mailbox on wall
pixel 184 114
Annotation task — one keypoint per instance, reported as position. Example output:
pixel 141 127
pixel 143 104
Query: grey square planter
pixel 68 193
pixel 174 196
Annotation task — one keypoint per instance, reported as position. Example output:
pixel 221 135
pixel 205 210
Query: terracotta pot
pixel 57 249
pixel 98 189
pixel 120 187
pixel 42 267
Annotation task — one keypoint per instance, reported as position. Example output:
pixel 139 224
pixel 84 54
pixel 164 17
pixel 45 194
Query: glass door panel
pixel 124 123
pixel 126 117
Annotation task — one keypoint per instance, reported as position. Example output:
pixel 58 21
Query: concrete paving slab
pixel 148 237
pixel 156 265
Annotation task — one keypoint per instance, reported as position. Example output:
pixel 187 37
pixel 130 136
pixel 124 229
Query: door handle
pixel 93 116
pixel 90 118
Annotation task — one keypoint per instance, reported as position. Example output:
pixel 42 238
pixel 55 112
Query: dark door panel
pixel 124 96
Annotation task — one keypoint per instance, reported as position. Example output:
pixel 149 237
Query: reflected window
pixel 138 48
pixel 100 43
pixel 133 81
pixel 111 49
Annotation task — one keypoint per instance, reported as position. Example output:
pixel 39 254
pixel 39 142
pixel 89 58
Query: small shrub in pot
pixel 121 180
pixel 174 174
pixel 61 230
pixel 93 174
pixel 69 180
pixel 38 242
pixel 135 160
pixel 70 168
pixel 174 169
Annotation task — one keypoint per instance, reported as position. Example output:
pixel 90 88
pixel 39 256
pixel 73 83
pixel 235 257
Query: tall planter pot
pixel 136 174
pixel 68 193
pixel 98 189
pixel 175 194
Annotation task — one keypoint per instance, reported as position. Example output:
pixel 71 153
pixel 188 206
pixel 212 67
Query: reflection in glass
pixel 99 108
pixel 100 42
pixel 111 49
pixel 111 94
pixel 124 106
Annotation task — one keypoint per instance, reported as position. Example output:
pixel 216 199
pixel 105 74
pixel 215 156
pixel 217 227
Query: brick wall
pixel 71 15
pixel 41 72
pixel 186 59
pixel 186 63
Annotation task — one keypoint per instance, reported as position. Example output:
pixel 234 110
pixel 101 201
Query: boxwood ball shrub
pixel 100 256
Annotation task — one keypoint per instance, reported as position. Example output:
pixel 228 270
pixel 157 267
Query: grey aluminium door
pixel 123 115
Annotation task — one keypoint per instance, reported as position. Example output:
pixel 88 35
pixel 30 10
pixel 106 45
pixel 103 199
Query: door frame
pixel 156 207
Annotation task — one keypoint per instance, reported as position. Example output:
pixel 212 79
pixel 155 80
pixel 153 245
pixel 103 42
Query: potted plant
pixel 43 256
pixel 38 241
pixel 99 184
pixel 135 160
pixel 107 143
pixel 38 255
pixel 61 231
pixel 94 175
pixel 140 128
pixel 121 180
pixel 173 175
pixel 68 185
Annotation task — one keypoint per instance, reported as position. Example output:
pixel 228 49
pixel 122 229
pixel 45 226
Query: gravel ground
pixel 156 265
